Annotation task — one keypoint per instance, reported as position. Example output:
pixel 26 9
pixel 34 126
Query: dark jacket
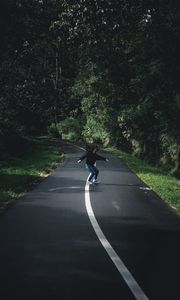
pixel 91 158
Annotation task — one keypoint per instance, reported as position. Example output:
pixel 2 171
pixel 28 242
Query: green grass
pixel 165 185
pixel 19 173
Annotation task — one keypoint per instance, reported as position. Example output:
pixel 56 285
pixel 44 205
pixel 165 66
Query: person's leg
pixel 92 172
pixel 96 171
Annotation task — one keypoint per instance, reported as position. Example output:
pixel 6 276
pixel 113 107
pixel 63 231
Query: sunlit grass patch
pixel 7 197
pixel 165 185
pixel 19 174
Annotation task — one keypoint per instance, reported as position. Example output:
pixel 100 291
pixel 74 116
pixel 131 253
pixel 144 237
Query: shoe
pixel 96 181
pixel 89 182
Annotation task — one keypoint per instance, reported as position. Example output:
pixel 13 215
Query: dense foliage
pixel 110 67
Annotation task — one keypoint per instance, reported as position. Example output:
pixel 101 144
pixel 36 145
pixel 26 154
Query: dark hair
pixel 91 147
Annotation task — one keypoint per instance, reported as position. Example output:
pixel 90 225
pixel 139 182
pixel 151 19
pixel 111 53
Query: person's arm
pixel 82 157
pixel 99 157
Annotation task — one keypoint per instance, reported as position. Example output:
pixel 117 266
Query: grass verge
pixel 20 172
pixel 165 185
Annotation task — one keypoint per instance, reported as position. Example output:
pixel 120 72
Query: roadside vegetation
pixel 158 178
pixel 100 71
pixel 21 170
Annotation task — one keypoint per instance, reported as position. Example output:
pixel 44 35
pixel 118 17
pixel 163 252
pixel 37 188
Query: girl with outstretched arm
pixel 91 156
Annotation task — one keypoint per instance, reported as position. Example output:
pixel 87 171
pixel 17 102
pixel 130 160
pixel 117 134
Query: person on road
pixel 91 157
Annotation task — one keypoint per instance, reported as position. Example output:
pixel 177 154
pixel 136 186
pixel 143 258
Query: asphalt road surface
pixel 62 241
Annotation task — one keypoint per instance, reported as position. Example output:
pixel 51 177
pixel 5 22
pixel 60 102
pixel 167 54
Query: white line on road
pixel 65 187
pixel 116 205
pixel 125 273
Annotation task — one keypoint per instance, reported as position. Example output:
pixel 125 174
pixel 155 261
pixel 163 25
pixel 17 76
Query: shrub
pixel 70 129
pixel 53 130
pixel 94 132
pixel 170 152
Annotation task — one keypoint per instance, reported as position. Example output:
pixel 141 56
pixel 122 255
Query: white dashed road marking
pixel 65 187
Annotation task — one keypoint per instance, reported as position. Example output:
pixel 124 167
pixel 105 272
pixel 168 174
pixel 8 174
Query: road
pixel 49 248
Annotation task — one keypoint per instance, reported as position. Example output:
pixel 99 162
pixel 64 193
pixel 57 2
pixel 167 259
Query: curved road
pixel 50 250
